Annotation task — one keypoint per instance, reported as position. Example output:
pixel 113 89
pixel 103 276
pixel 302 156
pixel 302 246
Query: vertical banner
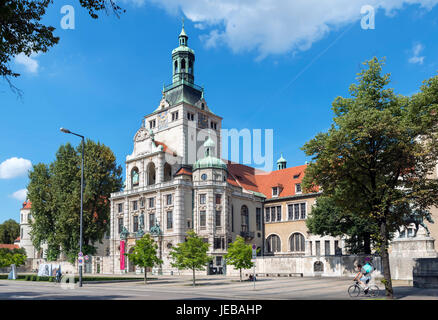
pixel 122 255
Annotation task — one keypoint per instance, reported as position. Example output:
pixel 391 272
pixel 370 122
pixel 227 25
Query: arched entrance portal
pixel 131 266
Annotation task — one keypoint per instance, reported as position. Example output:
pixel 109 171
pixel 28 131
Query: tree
pixel 22 32
pixel 191 254
pixel 9 231
pixel 54 191
pixel 379 154
pixel 144 254
pixel 328 219
pixel 14 256
pixel 239 255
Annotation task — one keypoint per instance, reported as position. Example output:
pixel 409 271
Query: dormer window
pixel 298 188
pixel 275 191
pixel 296 176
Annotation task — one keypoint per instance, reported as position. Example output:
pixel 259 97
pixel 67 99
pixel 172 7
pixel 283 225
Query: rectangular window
pixel 327 247
pixel 218 199
pixel 202 198
pixel 310 247
pixel 152 124
pixel 134 205
pixel 202 219
pixel 259 219
pixel 151 220
pixel 169 199
pixel 290 212
pixel 120 206
pixel 273 215
pixel 190 116
pixel 151 202
pixel 219 260
pixel 279 213
pixel 303 211
pixel 120 224
pixel 218 243
pixel 318 248
pixel 169 219
pixel 214 125
pixel 175 116
pixel 218 218
pixel 268 214
pixel 298 188
pixel 296 211
pixel 135 225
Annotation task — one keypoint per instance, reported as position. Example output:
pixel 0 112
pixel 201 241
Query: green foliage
pixel 22 31
pixel 9 231
pixel 14 256
pixel 191 254
pixel 328 219
pixel 379 153
pixel 55 192
pixel 144 254
pixel 239 255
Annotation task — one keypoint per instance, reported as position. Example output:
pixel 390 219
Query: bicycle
pixel 356 289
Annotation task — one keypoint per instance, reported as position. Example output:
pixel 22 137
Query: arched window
pixel 296 243
pixel 190 66
pixel 135 177
pixel 244 218
pixel 151 173
pixel 167 172
pixel 273 244
pixel 176 66
pixel 183 65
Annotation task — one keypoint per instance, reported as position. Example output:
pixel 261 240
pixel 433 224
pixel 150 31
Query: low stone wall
pixel 309 266
pixel 425 273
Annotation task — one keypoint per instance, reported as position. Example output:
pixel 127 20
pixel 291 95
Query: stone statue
pixel 124 234
pixel 141 219
pixel 155 229
pixel 417 216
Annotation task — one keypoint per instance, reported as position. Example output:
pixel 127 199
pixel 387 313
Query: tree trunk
pixel 385 260
pixel 367 243
pixel 240 274
pixel 145 276
pixel 193 276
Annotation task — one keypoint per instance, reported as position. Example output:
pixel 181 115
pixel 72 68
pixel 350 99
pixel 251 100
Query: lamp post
pixel 82 192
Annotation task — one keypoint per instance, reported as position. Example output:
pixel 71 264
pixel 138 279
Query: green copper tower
pixel 183 60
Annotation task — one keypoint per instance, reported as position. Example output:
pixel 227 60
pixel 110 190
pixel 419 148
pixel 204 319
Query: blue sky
pixel 264 65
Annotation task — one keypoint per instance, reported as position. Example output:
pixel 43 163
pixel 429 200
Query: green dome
pixel 209 162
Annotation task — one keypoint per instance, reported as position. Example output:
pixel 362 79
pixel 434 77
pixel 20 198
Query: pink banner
pixel 122 255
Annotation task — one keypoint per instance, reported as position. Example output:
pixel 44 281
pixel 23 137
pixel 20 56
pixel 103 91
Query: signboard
pixel 254 251
pixel 81 261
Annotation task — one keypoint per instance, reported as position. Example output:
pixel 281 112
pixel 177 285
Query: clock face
pixel 204 177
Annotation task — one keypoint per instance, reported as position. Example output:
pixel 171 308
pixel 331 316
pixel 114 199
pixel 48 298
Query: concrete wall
pixel 333 266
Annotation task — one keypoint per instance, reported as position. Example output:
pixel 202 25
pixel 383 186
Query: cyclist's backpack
pixel 368 268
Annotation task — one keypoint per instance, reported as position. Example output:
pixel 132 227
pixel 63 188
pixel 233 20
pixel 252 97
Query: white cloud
pixel 274 26
pixel 20 195
pixel 31 65
pixel 416 58
pixel 14 167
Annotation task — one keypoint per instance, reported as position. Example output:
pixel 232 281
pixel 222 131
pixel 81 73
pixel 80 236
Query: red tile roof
pixel 259 181
pixel 182 171
pixel 27 205
pixel 9 246
pixel 165 148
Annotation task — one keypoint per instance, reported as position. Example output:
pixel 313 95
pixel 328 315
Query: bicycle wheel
pixel 353 290
pixel 374 291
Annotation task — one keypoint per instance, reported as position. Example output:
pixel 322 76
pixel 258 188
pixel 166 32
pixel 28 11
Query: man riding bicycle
pixel 364 274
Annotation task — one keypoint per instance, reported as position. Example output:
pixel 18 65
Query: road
pixel 208 287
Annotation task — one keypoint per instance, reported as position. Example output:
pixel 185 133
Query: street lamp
pixel 82 192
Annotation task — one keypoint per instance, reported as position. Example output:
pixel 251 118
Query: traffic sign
pixel 254 251
pixel 80 254
pixel 81 261
pixel 86 258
